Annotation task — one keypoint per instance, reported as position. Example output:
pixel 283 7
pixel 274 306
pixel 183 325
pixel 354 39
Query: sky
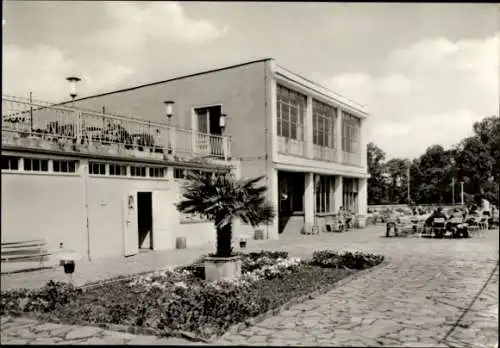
pixel 425 72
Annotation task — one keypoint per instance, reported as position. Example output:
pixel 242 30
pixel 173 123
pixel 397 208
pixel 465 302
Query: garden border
pixel 235 328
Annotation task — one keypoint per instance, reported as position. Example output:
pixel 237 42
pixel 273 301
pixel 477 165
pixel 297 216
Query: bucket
pixel 180 243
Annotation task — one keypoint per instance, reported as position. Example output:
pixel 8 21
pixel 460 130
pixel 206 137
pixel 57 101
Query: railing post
pixel 225 147
pixel 78 130
pixel 171 136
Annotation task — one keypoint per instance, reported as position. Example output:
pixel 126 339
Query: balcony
pixel 350 158
pixel 324 153
pixel 291 146
pixel 61 128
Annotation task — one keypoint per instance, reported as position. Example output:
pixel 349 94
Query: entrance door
pixel 164 214
pixel 130 228
pixel 145 220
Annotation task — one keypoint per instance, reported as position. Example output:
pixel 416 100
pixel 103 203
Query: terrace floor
pixel 430 293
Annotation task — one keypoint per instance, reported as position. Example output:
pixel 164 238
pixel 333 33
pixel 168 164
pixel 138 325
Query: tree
pixel 376 185
pixel 222 198
pixel 397 168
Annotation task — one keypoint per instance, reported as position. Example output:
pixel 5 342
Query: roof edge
pixel 170 80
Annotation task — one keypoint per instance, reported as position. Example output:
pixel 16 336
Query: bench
pixel 29 250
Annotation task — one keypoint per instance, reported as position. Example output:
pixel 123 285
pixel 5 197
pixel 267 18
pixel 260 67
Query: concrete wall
pixel 244 93
pixel 51 207
pixel 240 90
pixel 43 206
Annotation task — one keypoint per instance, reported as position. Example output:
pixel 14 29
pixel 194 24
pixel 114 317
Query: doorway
pixel 145 220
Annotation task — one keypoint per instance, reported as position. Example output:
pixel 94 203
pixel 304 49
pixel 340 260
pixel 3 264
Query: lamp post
pixel 222 125
pixel 408 184
pixel 73 80
pixel 461 192
pixel 169 104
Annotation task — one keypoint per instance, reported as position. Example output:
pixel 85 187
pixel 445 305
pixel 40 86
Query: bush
pixel 165 301
pixel 46 299
pixel 356 260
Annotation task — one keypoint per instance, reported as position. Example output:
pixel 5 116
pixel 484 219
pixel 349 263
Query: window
pixel 323 124
pixel 291 110
pixel 157 172
pixel 350 133
pixel 10 163
pixel 96 168
pixel 117 169
pixel 323 193
pixel 137 171
pixel 36 165
pixel 179 173
pixel 350 194
pixel 64 166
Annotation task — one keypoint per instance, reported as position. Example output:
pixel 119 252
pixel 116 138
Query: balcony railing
pixel 324 153
pixel 291 146
pixel 40 124
pixel 351 158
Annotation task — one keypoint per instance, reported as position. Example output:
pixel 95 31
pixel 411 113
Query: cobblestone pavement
pixel 28 331
pixel 415 300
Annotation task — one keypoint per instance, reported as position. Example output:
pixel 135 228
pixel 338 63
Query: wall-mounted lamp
pixel 222 121
pixel 72 86
pixel 131 202
pixel 168 108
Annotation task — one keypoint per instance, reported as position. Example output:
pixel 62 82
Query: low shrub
pixel 168 301
pixel 350 260
pixel 46 299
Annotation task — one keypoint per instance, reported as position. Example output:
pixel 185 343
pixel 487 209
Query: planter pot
pixel 361 221
pixel 180 243
pixel 156 156
pixel 69 266
pixel 259 234
pixel 218 268
pixel 48 144
pixel 34 141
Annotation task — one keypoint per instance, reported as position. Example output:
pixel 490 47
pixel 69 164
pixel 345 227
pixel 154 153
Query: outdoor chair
pixel 473 227
pixel 333 224
pixel 483 224
pixel 438 227
pixel 419 228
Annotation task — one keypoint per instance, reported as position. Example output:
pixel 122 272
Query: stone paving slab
pixel 27 331
pixel 413 301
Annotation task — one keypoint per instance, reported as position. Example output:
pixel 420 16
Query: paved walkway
pixel 149 261
pixel 416 300
pixel 419 298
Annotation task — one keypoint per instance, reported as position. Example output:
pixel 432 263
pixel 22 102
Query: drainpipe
pixel 85 188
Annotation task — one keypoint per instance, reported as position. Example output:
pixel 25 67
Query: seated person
pixel 348 218
pixel 438 213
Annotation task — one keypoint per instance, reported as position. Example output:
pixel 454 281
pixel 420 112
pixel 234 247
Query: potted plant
pixel 221 199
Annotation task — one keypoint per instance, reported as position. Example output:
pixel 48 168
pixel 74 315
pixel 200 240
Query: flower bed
pixel 168 302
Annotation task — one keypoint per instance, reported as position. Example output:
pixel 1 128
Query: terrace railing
pixel 40 124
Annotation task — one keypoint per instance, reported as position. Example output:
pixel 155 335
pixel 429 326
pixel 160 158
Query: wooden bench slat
pixel 20 257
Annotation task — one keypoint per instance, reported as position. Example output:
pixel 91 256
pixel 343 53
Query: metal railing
pixel 65 126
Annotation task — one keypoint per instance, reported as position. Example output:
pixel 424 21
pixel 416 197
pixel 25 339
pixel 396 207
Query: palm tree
pixel 220 199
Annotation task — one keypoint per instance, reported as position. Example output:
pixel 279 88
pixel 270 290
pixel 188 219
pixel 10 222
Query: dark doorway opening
pixel 145 219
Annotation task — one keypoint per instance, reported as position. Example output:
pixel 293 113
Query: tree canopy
pixel 475 161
